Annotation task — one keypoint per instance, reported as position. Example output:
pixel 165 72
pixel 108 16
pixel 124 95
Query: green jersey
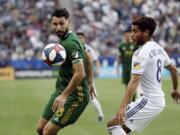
pixel 126 51
pixel 74 54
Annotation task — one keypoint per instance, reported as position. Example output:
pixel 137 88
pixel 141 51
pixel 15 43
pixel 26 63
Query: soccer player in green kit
pixel 71 96
pixel 126 50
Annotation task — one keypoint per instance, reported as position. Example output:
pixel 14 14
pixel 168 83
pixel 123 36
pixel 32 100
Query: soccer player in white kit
pixel 95 60
pixel 147 64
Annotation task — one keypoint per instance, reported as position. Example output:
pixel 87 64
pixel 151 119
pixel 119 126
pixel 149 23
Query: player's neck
pixel 147 40
pixel 66 35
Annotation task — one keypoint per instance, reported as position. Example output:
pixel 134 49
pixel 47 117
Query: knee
pixel 47 131
pixel 110 124
pixel 40 126
pixel 39 129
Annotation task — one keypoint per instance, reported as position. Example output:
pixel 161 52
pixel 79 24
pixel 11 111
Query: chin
pixel 134 42
pixel 59 35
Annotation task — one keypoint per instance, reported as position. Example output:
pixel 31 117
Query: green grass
pixel 22 102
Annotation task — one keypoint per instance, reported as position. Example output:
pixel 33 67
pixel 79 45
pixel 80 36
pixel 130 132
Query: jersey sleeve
pixel 75 52
pixel 167 59
pixel 139 62
pixel 92 52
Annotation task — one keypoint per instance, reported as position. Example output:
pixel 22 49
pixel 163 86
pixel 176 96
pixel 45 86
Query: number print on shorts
pixel 159 68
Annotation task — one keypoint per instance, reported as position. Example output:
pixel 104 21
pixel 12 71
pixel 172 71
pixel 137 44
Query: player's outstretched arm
pixel 174 77
pixel 78 76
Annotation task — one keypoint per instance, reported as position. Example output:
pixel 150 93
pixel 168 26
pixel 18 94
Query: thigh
pixel 50 129
pixel 48 113
pixel 140 113
pixel 41 123
pixel 69 113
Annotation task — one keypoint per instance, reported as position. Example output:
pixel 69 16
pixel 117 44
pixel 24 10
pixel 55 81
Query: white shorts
pixel 141 112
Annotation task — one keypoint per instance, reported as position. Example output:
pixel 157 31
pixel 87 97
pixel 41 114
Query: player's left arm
pixel 76 58
pixel 174 77
pixel 130 90
pixel 139 62
pixel 78 76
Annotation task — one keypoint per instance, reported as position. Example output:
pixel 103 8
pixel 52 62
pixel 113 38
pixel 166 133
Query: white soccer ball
pixel 54 54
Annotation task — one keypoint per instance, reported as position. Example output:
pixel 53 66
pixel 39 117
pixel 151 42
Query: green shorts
pixel 67 114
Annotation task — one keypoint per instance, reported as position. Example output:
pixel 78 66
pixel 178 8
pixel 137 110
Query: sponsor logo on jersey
pixel 56 119
pixel 136 65
pixel 77 55
pixel 60 112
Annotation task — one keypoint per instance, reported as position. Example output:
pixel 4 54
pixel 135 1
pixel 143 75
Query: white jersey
pixel 91 50
pixel 148 61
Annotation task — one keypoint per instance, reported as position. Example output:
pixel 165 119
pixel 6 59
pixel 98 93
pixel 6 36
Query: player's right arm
pixel 174 77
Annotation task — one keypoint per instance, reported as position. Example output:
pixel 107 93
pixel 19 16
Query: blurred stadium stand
pixel 25 27
pixel 105 20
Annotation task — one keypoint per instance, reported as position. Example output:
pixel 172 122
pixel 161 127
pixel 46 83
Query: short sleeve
pixel 167 60
pixel 139 62
pixel 92 52
pixel 75 53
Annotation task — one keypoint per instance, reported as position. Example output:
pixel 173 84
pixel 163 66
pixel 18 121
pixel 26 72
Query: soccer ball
pixel 54 54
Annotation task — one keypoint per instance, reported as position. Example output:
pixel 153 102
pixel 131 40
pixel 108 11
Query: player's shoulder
pixel 73 40
pixel 147 48
pixel 73 37
pixel 89 48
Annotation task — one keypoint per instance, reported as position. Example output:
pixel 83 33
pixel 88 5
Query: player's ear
pixel 146 32
pixel 69 21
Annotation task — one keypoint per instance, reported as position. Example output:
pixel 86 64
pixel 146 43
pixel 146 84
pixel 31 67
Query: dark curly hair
pixel 145 23
pixel 61 12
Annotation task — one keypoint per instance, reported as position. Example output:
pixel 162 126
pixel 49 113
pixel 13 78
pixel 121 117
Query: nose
pixel 59 27
pixel 132 36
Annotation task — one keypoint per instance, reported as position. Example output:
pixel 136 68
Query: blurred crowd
pixel 25 24
pixel 104 21
pixel 24 28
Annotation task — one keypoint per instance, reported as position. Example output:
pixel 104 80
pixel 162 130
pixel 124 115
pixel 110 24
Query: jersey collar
pixel 67 34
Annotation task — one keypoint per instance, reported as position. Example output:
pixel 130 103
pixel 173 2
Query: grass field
pixel 22 102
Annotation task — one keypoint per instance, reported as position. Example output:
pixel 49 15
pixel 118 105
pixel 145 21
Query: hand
pixel 91 90
pixel 121 116
pixel 58 102
pixel 176 96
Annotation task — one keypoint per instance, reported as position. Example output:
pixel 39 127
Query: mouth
pixel 133 40
pixel 60 33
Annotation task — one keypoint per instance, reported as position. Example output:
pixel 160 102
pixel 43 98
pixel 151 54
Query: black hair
pixel 61 12
pixel 145 23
